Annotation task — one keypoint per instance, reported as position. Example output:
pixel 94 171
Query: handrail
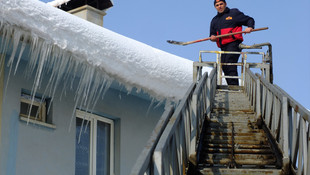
pixel 286 120
pixel 298 134
pixel 181 135
pixel 265 64
pixel 268 56
pixel 203 96
pixel 144 163
pixel 252 89
pixel 172 150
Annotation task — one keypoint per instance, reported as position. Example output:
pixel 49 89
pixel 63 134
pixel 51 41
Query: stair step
pixel 230 124
pixel 236 138
pixel 233 143
pixel 230 119
pixel 241 162
pixel 218 156
pixel 233 111
pixel 240 142
pixel 226 171
pixel 233 114
pixel 239 129
pixel 241 146
pixel 238 151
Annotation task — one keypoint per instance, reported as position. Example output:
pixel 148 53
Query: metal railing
pixel 181 135
pixel 172 150
pixel 178 141
pixel 265 64
pixel 298 136
pixel 174 141
pixel 285 119
pixel 145 163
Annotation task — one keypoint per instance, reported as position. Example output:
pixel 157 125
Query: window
pixel 34 110
pixel 94 151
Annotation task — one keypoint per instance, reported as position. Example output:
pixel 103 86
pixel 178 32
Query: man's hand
pixel 248 30
pixel 213 38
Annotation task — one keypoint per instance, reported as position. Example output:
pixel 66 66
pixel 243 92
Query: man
pixel 228 21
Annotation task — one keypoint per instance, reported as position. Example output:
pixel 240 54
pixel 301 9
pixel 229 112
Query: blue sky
pixel 154 22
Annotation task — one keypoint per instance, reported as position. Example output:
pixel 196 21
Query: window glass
pixel 25 108
pixel 103 148
pixel 82 150
pixel 94 144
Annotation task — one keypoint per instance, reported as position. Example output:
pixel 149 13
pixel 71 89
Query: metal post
pixel 209 93
pixel 219 68
pixel 308 157
pixel 195 68
pixel 286 159
pixel 194 123
pixel 258 100
pixel 244 58
pixel 157 159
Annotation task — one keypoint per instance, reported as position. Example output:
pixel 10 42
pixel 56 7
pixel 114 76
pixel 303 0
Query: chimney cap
pixel 98 4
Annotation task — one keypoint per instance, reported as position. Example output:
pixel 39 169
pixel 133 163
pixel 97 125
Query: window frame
pixel 43 118
pixel 93 118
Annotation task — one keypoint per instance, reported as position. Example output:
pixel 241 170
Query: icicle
pixel 73 115
pixel 34 54
pixel 57 67
pixel 6 33
pixel 87 83
pixel 159 103
pixel 119 94
pixel 149 108
pixel 16 40
pixel 11 59
pixel 20 53
pixel 81 130
pixel 105 85
pixel 58 73
pixel 92 93
pixel 67 76
pixel 38 77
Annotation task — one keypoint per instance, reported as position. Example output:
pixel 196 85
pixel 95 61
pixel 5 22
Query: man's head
pixel 220 5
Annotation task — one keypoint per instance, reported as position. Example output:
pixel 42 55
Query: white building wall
pixel 36 150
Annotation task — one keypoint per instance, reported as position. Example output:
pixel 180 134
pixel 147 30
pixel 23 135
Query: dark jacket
pixel 231 20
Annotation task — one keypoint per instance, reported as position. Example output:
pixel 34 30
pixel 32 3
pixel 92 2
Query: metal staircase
pixel 256 128
pixel 233 142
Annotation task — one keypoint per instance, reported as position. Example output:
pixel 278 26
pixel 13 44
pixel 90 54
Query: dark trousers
pixel 231 70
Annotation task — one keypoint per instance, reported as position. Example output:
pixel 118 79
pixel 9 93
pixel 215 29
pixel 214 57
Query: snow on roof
pixel 68 5
pixel 56 3
pixel 130 62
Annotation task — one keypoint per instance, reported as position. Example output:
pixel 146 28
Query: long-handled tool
pixel 205 39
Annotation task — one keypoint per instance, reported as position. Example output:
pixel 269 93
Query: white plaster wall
pixel 35 150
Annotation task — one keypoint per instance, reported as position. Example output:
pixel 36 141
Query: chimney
pixel 90 10
pixel 90 14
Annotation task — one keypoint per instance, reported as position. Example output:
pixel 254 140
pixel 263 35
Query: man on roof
pixel 228 21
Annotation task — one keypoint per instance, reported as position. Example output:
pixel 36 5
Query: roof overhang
pixel 112 56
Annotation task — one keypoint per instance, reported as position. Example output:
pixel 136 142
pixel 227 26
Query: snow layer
pixel 56 3
pixel 132 63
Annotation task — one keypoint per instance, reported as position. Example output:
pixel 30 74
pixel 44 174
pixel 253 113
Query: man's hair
pixel 216 1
